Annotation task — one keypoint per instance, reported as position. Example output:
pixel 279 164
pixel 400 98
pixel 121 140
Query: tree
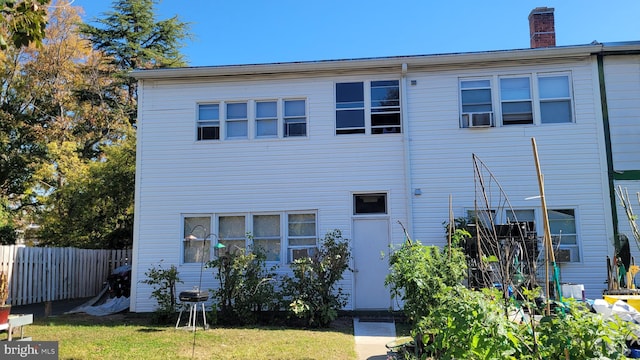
pixel 23 22
pixel 94 209
pixel 132 38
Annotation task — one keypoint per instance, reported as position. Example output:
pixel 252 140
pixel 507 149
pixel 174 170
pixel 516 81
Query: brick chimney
pixel 542 29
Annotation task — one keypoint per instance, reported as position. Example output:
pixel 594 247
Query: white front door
pixel 370 240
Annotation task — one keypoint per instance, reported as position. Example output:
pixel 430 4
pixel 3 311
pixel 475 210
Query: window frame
pixel 368 110
pixel 239 120
pixel 211 123
pixel 252 120
pixel 574 249
pixel 467 116
pixel 222 238
pixel 254 237
pixel 501 217
pixel 206 237
pixel 309 248
pixel 284 238
pixel 529 100
pixel 285 117
pixel 258 119
pixel 537 101
pixel 569 98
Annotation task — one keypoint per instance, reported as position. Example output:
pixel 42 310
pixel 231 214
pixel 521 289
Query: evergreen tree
pixel 132 38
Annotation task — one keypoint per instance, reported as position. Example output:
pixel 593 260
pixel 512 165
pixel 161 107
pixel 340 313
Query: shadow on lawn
pixel 148 324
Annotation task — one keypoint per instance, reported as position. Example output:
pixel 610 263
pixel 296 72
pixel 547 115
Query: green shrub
pixel 419 274
pixel 581 334
pixel 164 283
pixel 246 287
pixel 311 293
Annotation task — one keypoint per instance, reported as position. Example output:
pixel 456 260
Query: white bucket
pixel 575 291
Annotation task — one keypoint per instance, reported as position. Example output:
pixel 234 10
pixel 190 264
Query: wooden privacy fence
pixel 46 274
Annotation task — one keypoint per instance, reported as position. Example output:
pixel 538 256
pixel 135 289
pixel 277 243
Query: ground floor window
pixel 562 226
pixel 283 236
pixel 196 239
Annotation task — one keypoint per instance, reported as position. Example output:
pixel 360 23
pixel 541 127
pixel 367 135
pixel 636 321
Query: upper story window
pixel 252 119
pixel 208 122
pixel 477 107
pixel 526 99
pixel 350 108
pixel 237 120
pixel 515 95
pixel 368 107
pixel 385 107
pixel 555 99
pixel 266 119
pixel 295 119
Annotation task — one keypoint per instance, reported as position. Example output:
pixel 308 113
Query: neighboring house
pixel 619 67
pixel 289 151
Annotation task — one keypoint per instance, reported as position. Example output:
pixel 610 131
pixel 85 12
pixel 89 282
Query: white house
pixel 289 151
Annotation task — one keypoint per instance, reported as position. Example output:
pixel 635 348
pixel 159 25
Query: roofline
pixel 385 62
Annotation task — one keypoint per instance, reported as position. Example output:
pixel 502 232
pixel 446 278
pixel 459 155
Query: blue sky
pixel 230 32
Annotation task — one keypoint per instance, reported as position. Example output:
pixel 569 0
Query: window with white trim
pixel 562 226
pixel 283 236
pixel 232 233
pixel 196 238
pixel 267 235
pixel 555 99
pixel 236 121
pixel 295 119
pixel 371 107
pixel 385 107
pixel 208 122
pixel 516 102
pixel 269 118
pixel 266 119
pixel 301 236
pixel 477 107
pixel 350 108
pixel 536 98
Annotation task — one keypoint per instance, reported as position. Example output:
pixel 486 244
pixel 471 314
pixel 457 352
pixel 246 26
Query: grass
pixel 131 336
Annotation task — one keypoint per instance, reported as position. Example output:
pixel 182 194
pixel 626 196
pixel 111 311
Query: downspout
pixel 609 152
pixel 407 151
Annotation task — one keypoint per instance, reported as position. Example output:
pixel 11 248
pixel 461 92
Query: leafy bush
pixel 312 292
pixel 581 334
pixel 467 324
pixel 164 283
pixel 246 287
pixel 419 274
pixel 8 235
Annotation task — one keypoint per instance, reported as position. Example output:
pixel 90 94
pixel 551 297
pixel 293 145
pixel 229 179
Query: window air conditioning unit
pixel 564 255
pixel 478 120
pixel 295 254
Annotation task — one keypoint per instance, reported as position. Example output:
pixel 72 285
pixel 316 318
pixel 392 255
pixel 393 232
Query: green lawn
pixel 134 337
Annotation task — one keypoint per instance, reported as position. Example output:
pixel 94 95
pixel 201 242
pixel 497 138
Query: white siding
pixel 177 175
pixel 622 77
pixel 571 157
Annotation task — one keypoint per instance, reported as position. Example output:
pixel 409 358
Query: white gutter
pixel 369 63
pixel 408 176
